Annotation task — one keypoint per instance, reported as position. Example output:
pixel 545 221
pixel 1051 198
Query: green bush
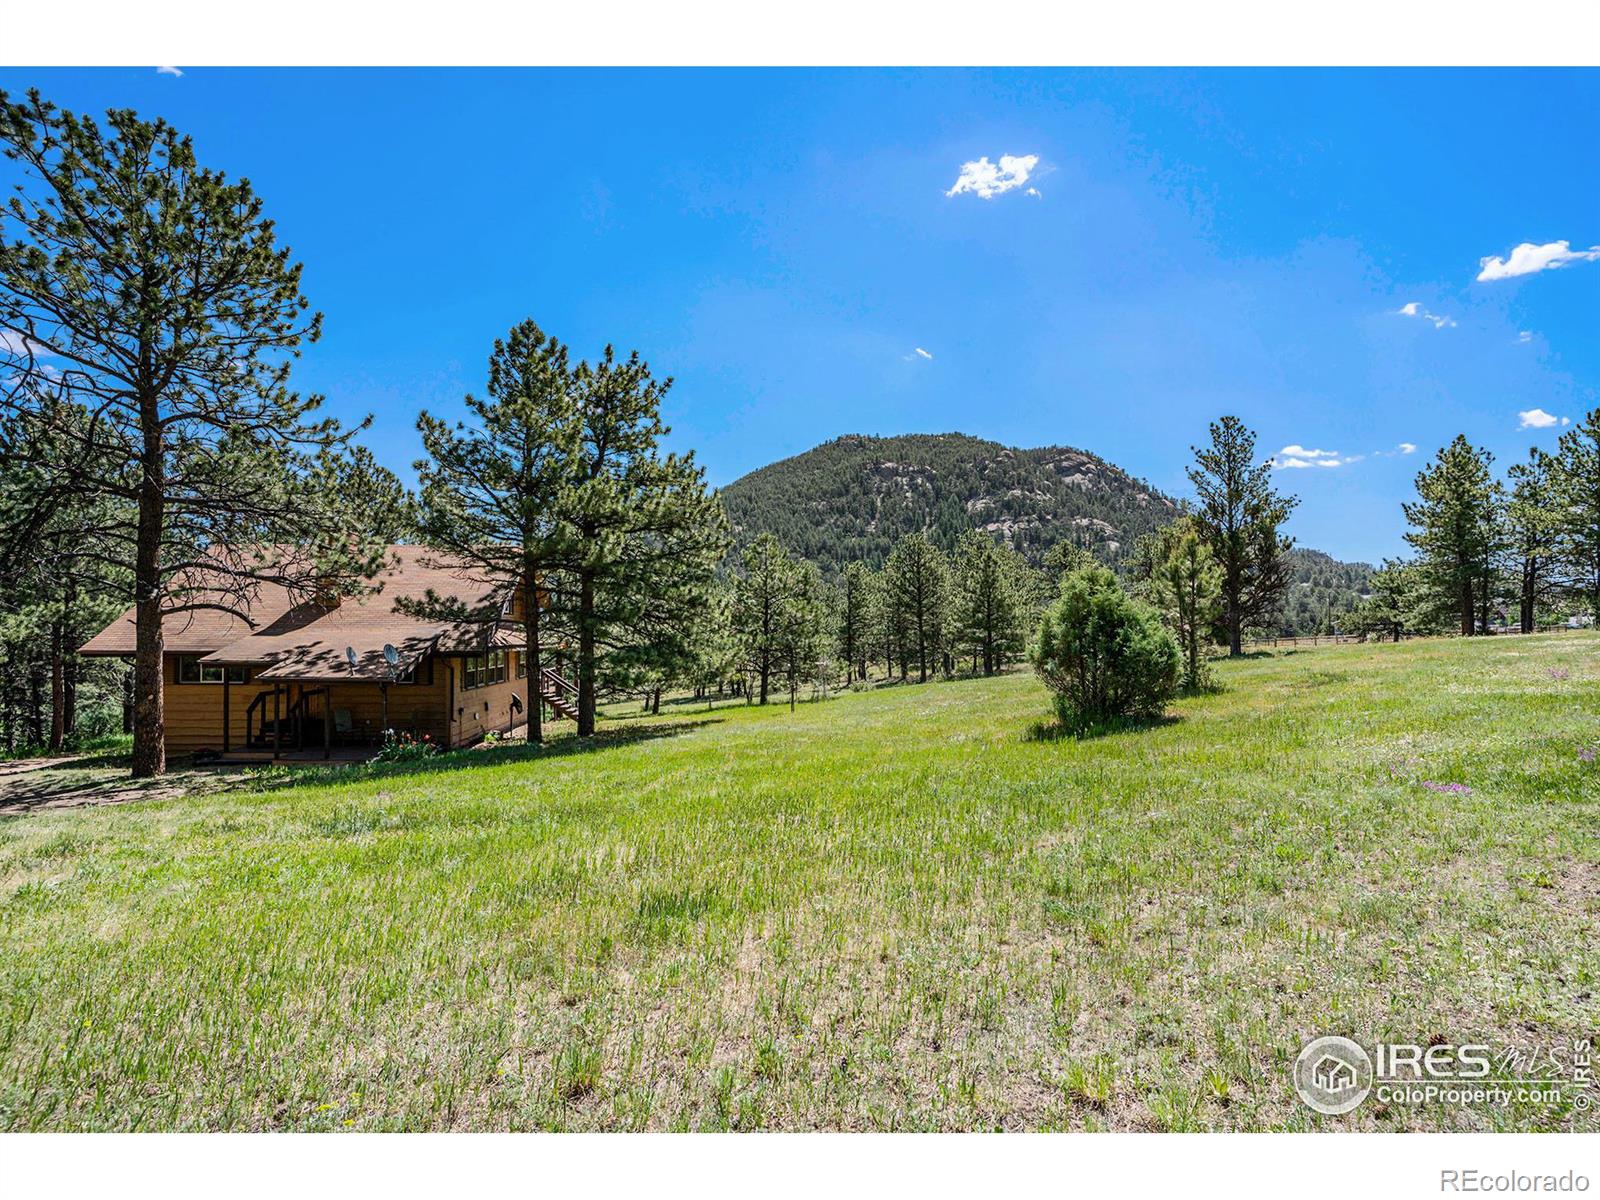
pixel 1103 653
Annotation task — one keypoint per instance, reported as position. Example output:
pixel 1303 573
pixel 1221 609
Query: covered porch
pixel 314 720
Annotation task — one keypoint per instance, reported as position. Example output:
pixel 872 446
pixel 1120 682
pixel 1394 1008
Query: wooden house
pixel 280 674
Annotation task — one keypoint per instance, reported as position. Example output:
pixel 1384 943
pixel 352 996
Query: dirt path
pixel 41 784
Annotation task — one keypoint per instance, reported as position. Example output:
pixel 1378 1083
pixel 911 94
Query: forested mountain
pixel 1321 590
pixel 854 497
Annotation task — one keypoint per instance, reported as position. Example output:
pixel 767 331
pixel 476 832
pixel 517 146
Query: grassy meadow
pixel 914 908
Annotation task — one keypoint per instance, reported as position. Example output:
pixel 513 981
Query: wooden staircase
pixel 560 693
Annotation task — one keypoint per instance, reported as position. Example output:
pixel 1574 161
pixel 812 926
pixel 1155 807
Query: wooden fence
pixel 1344 639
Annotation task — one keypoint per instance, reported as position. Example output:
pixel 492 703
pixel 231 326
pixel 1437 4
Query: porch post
pixel 327 722
pixel 225 722
pixel 383 689
pixel 277 719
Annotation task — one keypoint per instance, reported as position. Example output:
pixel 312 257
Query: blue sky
pixel 783 243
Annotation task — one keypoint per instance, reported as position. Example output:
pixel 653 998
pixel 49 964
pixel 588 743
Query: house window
pixel 481 670
pixel 192 670
pixel 522 666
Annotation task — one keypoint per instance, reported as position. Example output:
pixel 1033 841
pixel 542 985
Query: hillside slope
pixel 854 497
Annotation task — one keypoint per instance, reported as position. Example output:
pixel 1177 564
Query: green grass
pixel 906 909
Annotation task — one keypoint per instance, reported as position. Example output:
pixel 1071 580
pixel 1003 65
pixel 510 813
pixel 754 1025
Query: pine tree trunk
pixel 530 626
pixel 149 715
pixel 58 690
pixel 655 703
pixel 586 655
pixel 70 698
pixel 1468 609
pixel 1529 578
pixel 36 705
pixel 127 699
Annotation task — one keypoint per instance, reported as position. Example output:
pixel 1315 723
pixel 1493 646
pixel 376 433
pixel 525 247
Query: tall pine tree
pixel 494 494
pixel 762 597
pixel 647 534
pixel 1576 484
pixel 1533 529
pixel 1453 526
pixel 152 291
pixel 1238 516
pixel 918 579
pixel 987 601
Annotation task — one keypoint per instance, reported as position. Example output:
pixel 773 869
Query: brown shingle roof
pixel 307 641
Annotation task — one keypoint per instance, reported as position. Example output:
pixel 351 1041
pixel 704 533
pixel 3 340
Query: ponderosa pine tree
pixel 1576 485
pixel 857 610
pixel 715 654
pixel 1533 530
pixel 889 625
pixel 646 533
pixel 494 494
pixel 762 596
pixel 1188 591
pixel 987 606
pixel 1238 516
pixel 802 641
pixel 151 291
pixel 59 582
pixel 1453 522
pixel 918 580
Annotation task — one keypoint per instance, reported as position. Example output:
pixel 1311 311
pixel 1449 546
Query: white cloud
pixel 1399 449
pixel 1035 193
pixel 1416 310
pixel 15 343
pixel 1528 259
pixel 1293 458
pixel 917 355
pixel 1524 338
pixel 173 71
pixel 1537 418
pixel 1407 447
pixel 921 353
pixel 987 180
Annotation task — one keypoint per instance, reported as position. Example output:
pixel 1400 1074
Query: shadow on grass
pixel 297 775
pixel 1086 731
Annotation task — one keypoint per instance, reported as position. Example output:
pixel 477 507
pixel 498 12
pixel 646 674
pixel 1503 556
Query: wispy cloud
pixel 1416 310
pixel 1292 458
pixel 1034 192
pixel 918 354
pixel 1529 259
pixel 1537 418
pixel 1524 337
pixel 1407 447
pixel 15 343
pixel 1399 449
pixel 173 71
pixel 987 180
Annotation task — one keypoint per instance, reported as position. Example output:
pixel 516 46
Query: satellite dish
pixel 391 655
pixel 350 656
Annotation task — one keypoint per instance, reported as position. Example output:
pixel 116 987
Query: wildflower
pixel 1454 789
pixel 1560 674
pixel 1587 754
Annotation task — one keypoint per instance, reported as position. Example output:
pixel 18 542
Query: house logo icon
pixel 1333 1075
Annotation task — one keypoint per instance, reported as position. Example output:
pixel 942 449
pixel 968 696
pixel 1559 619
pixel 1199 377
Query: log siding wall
pixel 439 708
